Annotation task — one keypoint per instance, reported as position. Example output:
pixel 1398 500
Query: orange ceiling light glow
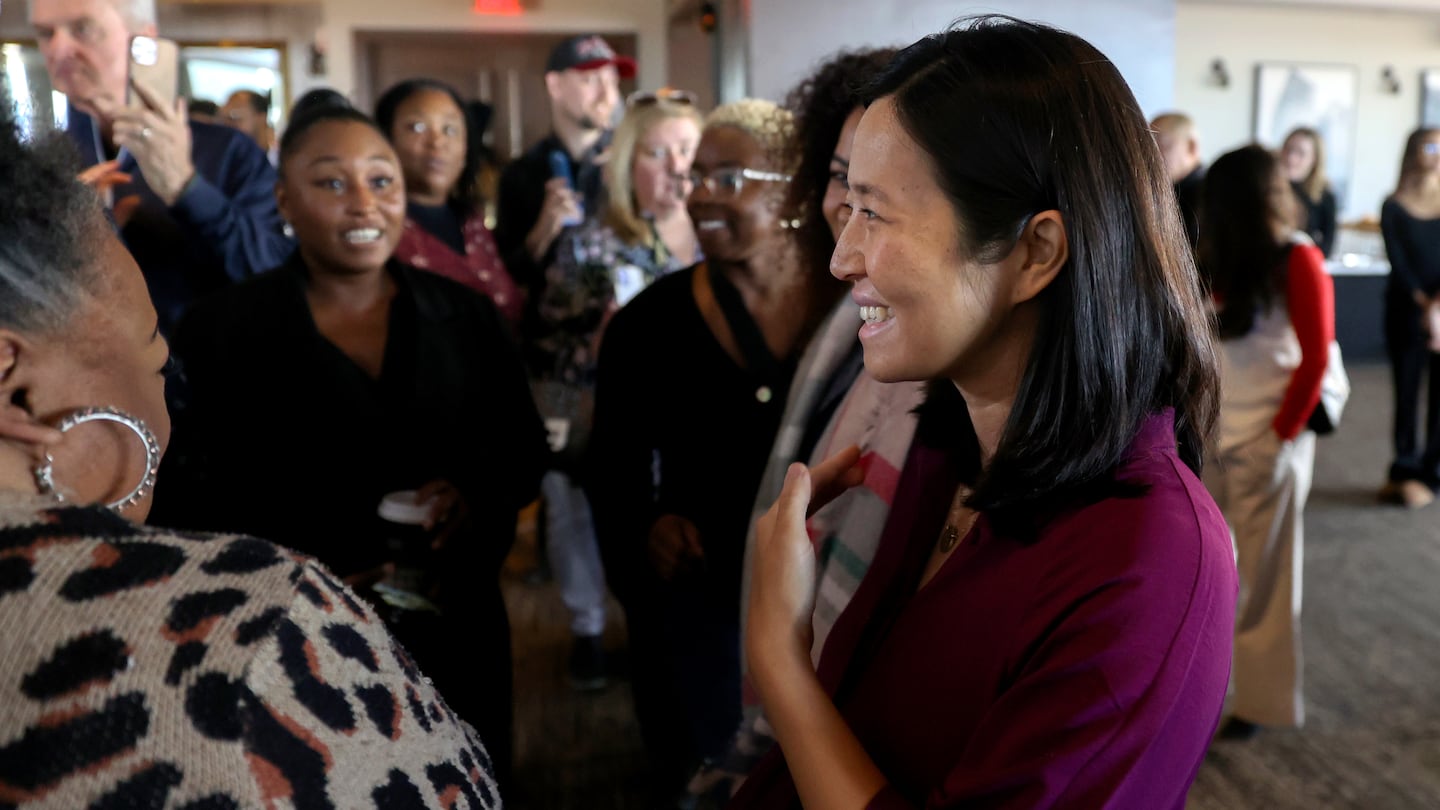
pixel 497 8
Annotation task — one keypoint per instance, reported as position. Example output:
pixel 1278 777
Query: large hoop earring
pixel 45 471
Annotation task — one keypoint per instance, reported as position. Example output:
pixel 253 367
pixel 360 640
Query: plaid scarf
pixel 877 417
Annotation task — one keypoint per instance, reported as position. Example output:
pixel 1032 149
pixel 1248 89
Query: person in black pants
pixel 1410 221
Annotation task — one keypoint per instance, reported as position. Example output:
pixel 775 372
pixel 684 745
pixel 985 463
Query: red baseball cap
pixel 588 52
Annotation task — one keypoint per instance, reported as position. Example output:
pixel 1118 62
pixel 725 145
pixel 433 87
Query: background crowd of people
pixel 1020 387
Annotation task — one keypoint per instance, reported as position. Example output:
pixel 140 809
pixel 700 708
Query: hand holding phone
pixel 155 66
pixel 153 126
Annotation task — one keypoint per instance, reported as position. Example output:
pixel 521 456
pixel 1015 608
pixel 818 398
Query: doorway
pixel 506 71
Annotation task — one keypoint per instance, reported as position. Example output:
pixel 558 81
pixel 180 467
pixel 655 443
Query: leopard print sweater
pixel 141 668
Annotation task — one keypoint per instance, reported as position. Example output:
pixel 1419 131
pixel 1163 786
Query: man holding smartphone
pixel 195 202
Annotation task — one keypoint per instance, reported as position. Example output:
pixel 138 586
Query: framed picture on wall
pixel 1322 97
pixel 1430 97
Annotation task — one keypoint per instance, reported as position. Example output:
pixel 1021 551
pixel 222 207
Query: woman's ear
pixel 12 346
pixel 17 421
pixel 1043 249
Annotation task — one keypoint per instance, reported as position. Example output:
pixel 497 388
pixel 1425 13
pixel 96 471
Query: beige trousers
pixel 1261 487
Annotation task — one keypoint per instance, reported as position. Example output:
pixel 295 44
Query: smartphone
pixel 155 66
pixel 560 167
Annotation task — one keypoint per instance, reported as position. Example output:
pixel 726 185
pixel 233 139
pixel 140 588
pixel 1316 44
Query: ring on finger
pixel 145 133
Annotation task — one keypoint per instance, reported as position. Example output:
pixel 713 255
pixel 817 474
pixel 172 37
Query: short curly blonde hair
pixel 771 125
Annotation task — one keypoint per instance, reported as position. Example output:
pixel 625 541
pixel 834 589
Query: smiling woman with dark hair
pixel 709 352
pixel 143 667
pixel 344 376
pixel 1047 620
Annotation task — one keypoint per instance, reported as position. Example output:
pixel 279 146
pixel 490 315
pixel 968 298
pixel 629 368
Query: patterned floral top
pixel 480 268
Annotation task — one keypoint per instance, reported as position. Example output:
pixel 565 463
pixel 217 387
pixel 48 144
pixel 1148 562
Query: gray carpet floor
pixel 1371 646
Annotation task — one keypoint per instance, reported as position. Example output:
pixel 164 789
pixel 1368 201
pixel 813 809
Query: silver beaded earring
pixel 45 471
pixel 288 230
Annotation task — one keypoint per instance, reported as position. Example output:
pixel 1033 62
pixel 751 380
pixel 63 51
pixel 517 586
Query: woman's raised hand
pixel 782 593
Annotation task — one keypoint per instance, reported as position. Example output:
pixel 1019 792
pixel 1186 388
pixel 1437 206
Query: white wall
pixel 692 60
pixel 342 18
pixel 1369 39
pixel 789 37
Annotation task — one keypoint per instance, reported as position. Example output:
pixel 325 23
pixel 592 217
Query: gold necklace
pixel 954 529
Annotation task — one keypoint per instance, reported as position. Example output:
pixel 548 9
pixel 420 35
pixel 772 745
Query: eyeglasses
pixel 1431 148
pixel 729 182
pixel 669 95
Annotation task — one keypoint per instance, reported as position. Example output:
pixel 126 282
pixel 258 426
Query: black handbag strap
pixel 758 358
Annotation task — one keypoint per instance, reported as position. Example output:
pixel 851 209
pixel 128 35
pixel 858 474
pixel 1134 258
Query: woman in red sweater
pixel 1276 307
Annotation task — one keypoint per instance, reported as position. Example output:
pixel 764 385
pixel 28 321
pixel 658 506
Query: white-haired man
pixel 197 203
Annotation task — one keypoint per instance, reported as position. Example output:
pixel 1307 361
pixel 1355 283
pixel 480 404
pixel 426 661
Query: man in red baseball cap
pixel 555 185
pixel 588 52
pixel 537 200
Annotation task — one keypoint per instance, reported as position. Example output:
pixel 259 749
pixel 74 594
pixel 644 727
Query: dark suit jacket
pixel 1187 193
pixel 224 228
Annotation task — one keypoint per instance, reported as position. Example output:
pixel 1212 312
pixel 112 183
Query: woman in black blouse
pixel 691 385
pixel 343 375
pixel 1410 221
pixel 1303 156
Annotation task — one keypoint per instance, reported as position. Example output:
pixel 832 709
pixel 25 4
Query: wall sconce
pixel 1219 76
pixel 1390 81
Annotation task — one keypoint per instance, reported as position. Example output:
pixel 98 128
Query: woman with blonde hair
pixel 642 233
pixel 1410 221
pixel 1303 156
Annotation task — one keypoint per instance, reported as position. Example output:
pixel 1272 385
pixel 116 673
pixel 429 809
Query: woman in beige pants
pixel 1276 316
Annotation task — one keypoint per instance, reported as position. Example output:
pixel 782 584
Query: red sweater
pixel 1310 299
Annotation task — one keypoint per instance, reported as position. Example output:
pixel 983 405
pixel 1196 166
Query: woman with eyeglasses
pixel 1410 222
pixel 643 233
pixel 692 379
pixel 1303 154
pixel 440 153
pixel 833 403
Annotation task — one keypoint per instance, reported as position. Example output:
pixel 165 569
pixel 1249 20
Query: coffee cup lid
pixel 402 507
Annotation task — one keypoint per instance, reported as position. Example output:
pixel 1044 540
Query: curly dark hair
pixel 821 103
pixel 466 193
pixel 48 222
